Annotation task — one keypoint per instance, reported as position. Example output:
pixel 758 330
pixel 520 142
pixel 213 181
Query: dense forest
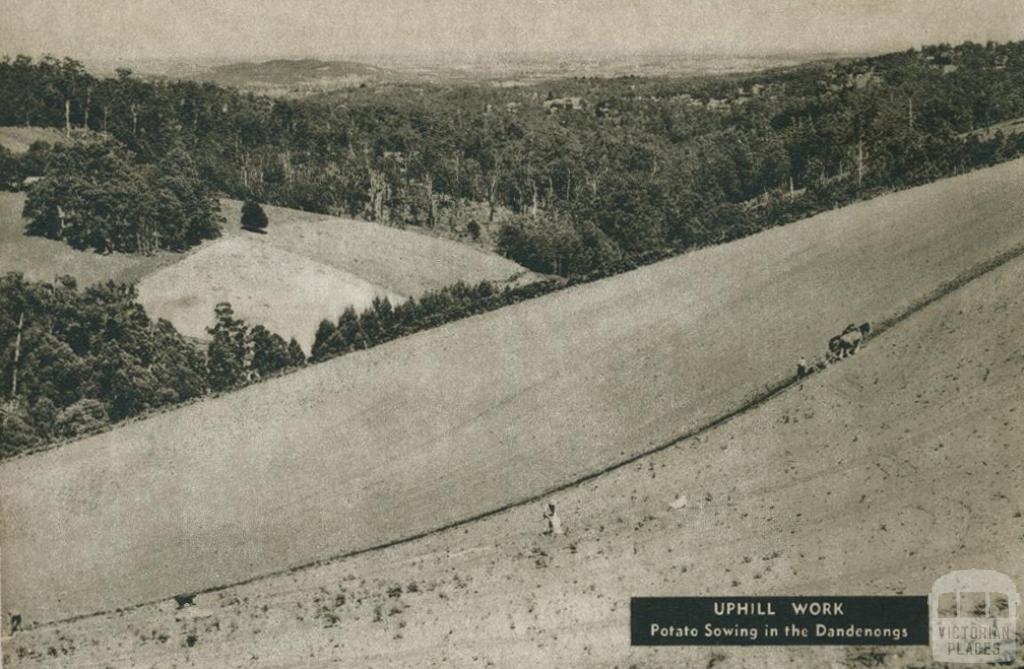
pixel 93 194
pixel 581 178
pixel 573 175
pixel 76 360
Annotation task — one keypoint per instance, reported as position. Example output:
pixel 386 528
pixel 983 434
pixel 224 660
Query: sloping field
pixel 18 139
pixel 287 293
pixel 403 261
pixel 875 477
pixel 469 417
pixel 308 267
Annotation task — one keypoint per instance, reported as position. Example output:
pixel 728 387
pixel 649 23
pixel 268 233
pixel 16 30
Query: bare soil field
pixel 875 476
pixel 346 263
pixel 473 416
pixel 283 291
pixel 410 436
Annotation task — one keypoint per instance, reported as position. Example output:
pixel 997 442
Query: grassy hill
pixel 19 139
pixel 875 477
pixel 306 268
pixel 286 292
pixel 476 415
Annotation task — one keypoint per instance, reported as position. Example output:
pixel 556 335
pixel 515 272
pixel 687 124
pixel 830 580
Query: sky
pixel 251 29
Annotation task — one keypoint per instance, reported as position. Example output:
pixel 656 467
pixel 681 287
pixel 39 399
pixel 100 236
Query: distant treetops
pixel 627 167
pixel 254 219
pixel 95 195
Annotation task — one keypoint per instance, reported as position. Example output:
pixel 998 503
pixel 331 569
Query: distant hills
pixel 293 75
pixel 303 76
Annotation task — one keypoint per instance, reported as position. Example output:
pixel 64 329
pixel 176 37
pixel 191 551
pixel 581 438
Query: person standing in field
pixel 554 522
pixel 801 368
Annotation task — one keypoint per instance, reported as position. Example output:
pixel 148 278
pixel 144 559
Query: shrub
pixel 254 218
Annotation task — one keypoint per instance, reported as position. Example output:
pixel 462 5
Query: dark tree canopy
pixel 646 165
pixel 85 358
pixel 253 216
pixel 94 196
pixel 88 358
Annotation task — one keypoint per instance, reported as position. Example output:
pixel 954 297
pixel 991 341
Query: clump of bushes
pixel 254 219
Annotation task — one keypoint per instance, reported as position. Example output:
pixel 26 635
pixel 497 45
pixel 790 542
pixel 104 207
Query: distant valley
pixel 303 76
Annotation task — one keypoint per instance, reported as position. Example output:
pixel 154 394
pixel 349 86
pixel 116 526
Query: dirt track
pixel 576 381
pixel 873 477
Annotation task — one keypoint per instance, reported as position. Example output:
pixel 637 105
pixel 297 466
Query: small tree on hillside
pixel 326 333
pixel 253 216
pixel 296 358
pixel 269 351
pixel 226 354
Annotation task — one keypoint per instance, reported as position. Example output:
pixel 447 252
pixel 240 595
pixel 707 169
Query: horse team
pixel 848 342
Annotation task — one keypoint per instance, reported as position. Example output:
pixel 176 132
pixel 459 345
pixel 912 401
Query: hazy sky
pixel 114 29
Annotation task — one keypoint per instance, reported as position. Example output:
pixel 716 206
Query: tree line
pixel 74 361
pixel 383 322
pixel 95 195
pixel 646 164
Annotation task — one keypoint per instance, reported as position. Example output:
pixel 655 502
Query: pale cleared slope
pixel 474 415
pixel 875 477
pixel 283 291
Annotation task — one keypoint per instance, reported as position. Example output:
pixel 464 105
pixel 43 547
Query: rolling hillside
pixel 874 477
pixel 476 415
pixel 286 292
pixel 282 71
pixel 292 75
pixel 342 261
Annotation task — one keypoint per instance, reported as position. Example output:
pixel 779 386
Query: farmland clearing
pixel 874 477
pixel 476 415
pixel 41 259
pixel 283 291
pixel 18 139
pixel 346 262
